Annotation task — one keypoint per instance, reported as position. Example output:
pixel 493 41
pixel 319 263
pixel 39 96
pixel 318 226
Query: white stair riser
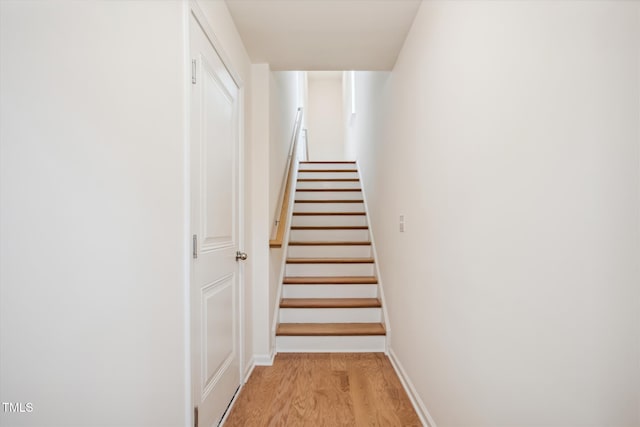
pixel 328 175
pixel 315 270
pixel 330 315
pixel 323 220
pixel 347 344
pixel 328 207
pixel 351 251
pixel 329 195
pixel 329 235
pixel 327 165
pixel 329 291
pixel 328 184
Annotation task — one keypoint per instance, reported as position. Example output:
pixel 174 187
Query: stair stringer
pixel 283 265
pixel 385 315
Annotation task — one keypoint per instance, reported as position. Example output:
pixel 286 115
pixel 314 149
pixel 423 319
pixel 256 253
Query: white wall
pixel 274 104
pixel 284 100
pixel 510 142
pixel 92 259
pixel 93 279
pixel 260 208
pixel 325 125
pixel 361 128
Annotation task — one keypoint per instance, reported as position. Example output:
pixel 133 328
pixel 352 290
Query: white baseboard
pixel 264 359
pixel 417 402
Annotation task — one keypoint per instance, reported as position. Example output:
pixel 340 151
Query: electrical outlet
pixel 401 223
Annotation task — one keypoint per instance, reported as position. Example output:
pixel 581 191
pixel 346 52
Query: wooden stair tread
pixel 330 329
pixel 330 303
pixel 331 201
pixel 328 213
pixel 328 170
pixel 329 227
pixel 317 162
pixel 330 280
pixel 328 179
pixel 330 261
pixel 328 189
pixel 328 243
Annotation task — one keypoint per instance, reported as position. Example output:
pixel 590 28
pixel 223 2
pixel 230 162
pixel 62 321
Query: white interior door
pixel 215 221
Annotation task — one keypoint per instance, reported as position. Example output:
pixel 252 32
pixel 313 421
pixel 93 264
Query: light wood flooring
pixel 324 389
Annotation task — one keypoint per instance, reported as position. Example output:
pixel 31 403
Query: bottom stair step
pixel 330 329
pixel 331 344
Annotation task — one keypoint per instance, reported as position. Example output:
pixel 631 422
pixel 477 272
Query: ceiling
pixel 324 34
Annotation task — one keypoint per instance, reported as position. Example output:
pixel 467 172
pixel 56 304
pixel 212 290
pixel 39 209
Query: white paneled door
pixel 215 226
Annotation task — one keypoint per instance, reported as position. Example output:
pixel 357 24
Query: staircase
pixel 330 295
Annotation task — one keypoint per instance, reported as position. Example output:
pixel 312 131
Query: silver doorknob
pixel 241 256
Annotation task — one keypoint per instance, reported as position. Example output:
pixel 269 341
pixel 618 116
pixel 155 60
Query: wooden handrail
pixel 285 191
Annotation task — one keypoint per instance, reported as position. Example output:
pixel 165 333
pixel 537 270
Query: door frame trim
pixel 199 15
pixel 192 8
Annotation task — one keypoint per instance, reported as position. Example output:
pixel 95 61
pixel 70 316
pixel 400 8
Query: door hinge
pixel 193 71
pixel 194 248
pixel 195 417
